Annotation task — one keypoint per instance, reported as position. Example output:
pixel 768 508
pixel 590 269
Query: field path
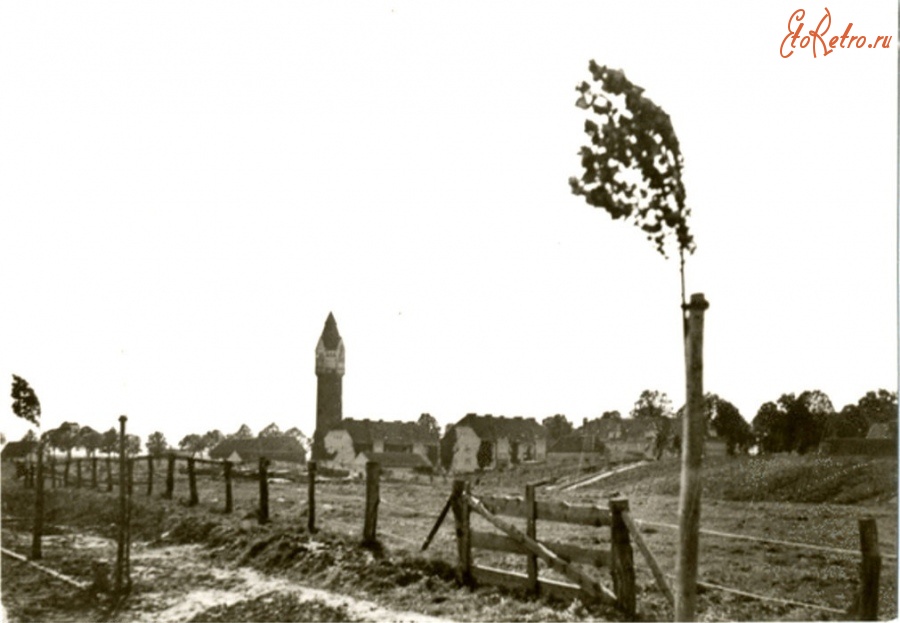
pixel 206 586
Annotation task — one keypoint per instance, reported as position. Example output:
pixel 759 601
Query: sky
pixel 188 189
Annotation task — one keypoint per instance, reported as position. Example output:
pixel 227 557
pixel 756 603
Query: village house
pixel 19 450
pixel 278 449
pixel 502 441
pixel 619 439
pixel 351 438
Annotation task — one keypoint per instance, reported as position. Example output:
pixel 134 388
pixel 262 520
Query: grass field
pixel 746 496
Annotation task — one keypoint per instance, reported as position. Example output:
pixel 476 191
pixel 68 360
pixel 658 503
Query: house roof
pixel 17 450
pixel 626 428
pixel 330 336
pixel 498 427
pixel 276 448
pixel 395 432
pixel 395 459
pixel 576 442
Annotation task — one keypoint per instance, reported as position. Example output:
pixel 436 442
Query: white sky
pixel 188 188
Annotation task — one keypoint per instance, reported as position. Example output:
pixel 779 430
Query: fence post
pixel 78 473
pixel 370 525
pixel 691 460
pixel 869 570
pixel 263 490
pixel 123 509
pixel 463 532
pixel 622 565
pixel 52 462
pixel 109 478
pixel 311 469
pixel 192 482
pixel 130 466
pixel 66 471
pixel 38 505
pixel 149 474
pixel 531 533
pixel 94 472
pixel 170 476
pixel 229 500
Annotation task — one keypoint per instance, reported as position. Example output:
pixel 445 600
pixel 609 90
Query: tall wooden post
pixel 869 570
pixel 691 460
pixel 66 468
pixel 149 474
pixel 109 478
pixel 94 460
pixel 373 495
pixel 123 509
pixel 311 469
pixel 170 476
pixel 460 507
pixel 229 500
pixel 78 473
pixel 531 533
pixel 192 482
pixel 52 462
pixel 263 490
pixel 38 532
pixel 622 565
pixel 129 465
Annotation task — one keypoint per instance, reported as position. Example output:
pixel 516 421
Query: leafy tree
pixel 64 438
pixel 771 428
pixel 652 404
pixel 427 422
pixel 30 436
pixel 90 440
pixel 557 427
pixel 794 423
pixel 879 407
pixel 132 445
pixel 271 430
pixel 297 434
pixel 25 402
pixel 192 443
pixel 213 438
pixel 485 455
pixel 850 422
pixel 110 442
pixel 611 415
pixel 726 420
pixel 157 444
pixel 244 432
pixel 633 165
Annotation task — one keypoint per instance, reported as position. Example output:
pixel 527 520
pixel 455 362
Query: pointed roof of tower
pixel 330 336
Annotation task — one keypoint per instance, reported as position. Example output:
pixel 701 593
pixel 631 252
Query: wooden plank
pixel 48 571
pixel 519 581
pixel 570 553
pixel 622 567
pixel 531 533
pixel 648 556
pixel 590 586
pixel 563 512
pixel 869 570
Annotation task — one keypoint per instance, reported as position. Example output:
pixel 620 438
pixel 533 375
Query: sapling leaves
pixel 632 167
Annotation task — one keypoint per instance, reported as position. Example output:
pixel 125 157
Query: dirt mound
pixel 283 607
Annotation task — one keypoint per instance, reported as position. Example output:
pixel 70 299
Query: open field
pixel 744 496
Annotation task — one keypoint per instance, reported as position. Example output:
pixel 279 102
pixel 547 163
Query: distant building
pixel 502 440
pixel 330 373
pixel 351 438
pixel 281 449
pixel 398 464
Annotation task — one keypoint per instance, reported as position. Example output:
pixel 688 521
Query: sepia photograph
pixel 448 311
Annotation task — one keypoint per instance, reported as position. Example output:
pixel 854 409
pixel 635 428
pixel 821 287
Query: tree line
pixel 793 423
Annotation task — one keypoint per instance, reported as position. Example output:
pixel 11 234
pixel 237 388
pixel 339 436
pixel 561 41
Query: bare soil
pixel 195 563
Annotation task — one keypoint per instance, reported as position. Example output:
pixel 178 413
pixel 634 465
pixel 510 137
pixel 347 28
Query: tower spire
pixel 330 372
